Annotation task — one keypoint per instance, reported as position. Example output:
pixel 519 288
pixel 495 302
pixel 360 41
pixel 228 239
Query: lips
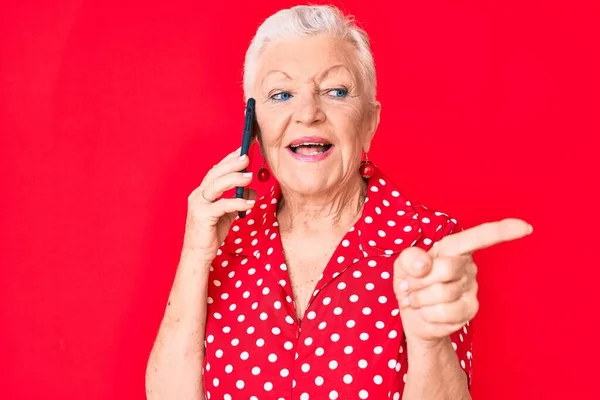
pixel 310 148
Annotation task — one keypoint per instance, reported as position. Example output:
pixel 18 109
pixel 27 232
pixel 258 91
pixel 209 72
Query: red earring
pixel 366 168
pixel 263 174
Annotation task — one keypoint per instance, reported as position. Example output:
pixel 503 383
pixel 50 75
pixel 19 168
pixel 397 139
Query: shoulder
pixel 433 225
pixel 406 217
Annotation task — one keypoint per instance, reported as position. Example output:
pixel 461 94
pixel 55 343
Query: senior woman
pixel 334 286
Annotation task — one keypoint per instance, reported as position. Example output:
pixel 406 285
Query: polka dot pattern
pixel 350 343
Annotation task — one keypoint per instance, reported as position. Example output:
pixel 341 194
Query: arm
pixel 434 372
pixel 175 366
pixel 176 362
pixel 438 368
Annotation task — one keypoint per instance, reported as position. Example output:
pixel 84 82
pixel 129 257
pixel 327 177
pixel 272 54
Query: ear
pixel 256 133
pixel 257 136
pixel 372 124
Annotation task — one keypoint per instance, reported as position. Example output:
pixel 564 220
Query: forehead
pixel 304 57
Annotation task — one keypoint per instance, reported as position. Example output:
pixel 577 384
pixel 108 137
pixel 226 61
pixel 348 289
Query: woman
pixel 330 287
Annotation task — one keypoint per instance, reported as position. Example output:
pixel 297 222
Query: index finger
pixel 225 165
pixel 234 153
pixel 481 237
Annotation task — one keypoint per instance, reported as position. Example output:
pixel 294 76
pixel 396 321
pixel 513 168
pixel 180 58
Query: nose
pixel 309 110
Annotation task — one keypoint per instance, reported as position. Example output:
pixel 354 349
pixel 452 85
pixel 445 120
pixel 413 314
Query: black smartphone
pixel 246 139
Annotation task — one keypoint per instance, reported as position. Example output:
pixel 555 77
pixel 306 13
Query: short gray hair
pixel 301 21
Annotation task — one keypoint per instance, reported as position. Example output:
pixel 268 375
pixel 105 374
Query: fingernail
pixel 530 229
pixel 243 157
pixel 247 174
pixel 250 202
pixel 419 264
pixel 405 302
pixel 404 285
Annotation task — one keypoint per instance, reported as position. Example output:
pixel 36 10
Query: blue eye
pixel 338 92
pixel 281 96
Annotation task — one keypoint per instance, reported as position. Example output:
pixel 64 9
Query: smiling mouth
pixel 310 149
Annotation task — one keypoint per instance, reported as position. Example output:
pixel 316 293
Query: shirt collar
pixel 388 223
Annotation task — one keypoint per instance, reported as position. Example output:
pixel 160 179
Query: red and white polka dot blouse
pixel 350 342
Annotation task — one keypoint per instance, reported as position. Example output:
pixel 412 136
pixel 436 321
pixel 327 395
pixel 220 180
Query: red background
pixel 110 114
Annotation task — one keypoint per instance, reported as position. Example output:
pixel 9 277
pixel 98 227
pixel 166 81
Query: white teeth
pixel 310 144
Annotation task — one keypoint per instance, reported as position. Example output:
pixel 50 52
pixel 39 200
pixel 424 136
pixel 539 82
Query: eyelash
pixel 272 97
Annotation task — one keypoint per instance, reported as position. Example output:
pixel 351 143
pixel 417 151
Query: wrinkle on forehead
pixel 307 58
pixel 337 69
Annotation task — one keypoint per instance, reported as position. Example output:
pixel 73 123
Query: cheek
pixel 351 110
pixel 348 122
pixel 272 125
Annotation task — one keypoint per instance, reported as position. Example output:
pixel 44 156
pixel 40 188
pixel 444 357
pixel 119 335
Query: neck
pixel 338 210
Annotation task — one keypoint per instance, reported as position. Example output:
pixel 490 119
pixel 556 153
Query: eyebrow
pixel 324 74
pixel 271 72
pixel 320 77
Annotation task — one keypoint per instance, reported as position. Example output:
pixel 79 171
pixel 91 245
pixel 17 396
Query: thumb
pixel 412 262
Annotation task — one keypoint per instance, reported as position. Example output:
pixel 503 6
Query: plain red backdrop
pixel 111 112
